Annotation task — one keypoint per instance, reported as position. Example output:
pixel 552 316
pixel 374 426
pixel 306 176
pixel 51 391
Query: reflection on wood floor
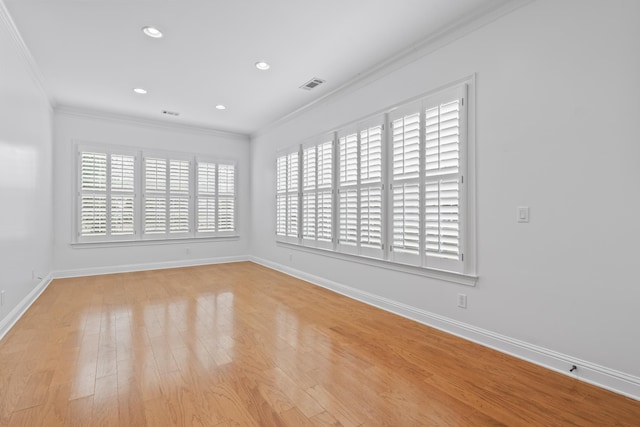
pixel 240 344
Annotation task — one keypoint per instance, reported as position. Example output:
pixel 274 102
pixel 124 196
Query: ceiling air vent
pixel 311 84
pixel 170 113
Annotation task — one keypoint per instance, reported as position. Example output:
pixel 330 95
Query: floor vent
pixel 311 84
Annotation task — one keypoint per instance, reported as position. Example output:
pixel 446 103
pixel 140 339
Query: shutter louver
pixel 442 185
pixel 93 200
pixel 442 139
pixel 122 211
pixel 371 187
pixel 317 175
pixel 93 173
pixel 206 221
pixel 122 195
pixel 324 213
pixel 371 217
pixel 226 198
pixel 93 215
pixel 179 196
pixel 155 201
pixel 325 216
pixel 406 218
pixel 292 194
pixel 348 217
pixel 309 170
pixel 281 196
pixel 309 215
pixel 349 159
pixel 442 218
pixel 122 173
pixel 406 147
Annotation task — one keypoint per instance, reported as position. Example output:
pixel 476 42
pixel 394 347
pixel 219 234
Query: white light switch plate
pixel 523 213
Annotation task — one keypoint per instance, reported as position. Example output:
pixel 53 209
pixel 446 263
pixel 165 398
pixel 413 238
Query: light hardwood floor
pixel 240 344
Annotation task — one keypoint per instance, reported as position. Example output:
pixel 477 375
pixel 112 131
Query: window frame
pixel 139 235
pixel 462 270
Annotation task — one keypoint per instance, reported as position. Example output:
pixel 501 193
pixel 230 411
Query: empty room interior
pixel 304 213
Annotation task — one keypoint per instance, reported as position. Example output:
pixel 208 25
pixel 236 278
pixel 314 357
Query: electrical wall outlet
pixel 1 298
pixel 462 301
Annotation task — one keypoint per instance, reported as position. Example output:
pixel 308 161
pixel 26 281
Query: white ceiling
pixel 92 53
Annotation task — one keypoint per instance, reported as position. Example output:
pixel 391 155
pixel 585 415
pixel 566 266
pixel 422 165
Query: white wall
pixel 557 130
pixel 25 176
pixel 72 128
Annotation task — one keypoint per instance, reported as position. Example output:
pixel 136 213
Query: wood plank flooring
pixel 242 345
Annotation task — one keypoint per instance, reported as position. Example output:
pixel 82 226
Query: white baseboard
pixel 601 376
pixel 128 268
pixel 18 311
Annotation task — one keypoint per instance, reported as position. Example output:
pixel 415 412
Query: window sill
pixel 449 276
pixel 151 242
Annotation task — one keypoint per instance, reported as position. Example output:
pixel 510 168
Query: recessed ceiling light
pixel 152 32
pixel 221 107
pixel 263 66
pixel 139 90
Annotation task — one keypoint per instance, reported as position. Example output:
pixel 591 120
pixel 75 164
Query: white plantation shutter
pixel 348 219
pixel 405 187
pixel 293 162
pixel 93 215
pixel 179 171
pixel 309 171
pixel 406 218
pixel 348 192
pixel 206 193
pixel 226 198
pixel 106 196
pixel 93 194
pixel 122 195
pixel 155 198
pixel 398 194
pixel 287 196
pixel 443 128
pixel 181 196
pixel 370 191
pixel 281 196
pixel 325 192
pixel 317 194
pixel 360 190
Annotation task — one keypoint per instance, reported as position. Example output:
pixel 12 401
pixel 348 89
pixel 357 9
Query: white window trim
pixel 466 270
pixel 138 238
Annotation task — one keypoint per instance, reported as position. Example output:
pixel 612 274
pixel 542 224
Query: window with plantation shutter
pixel 167 196
pixel 206 203
pixel 122 195
pixel 443 180
pixel 179 196
pixel 216 198
pixel 405 187
pixel 360 190
pixel 428 139
pixel 93 194
pixel 226 217
pixel 183 196
pixel 287 196
pixel 106 196
pixel 398 192
pixel 155 199
pixel 317 194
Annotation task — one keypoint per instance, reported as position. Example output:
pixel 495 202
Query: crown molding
pixel 7 23
pixel 146 122
pixel 424 47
